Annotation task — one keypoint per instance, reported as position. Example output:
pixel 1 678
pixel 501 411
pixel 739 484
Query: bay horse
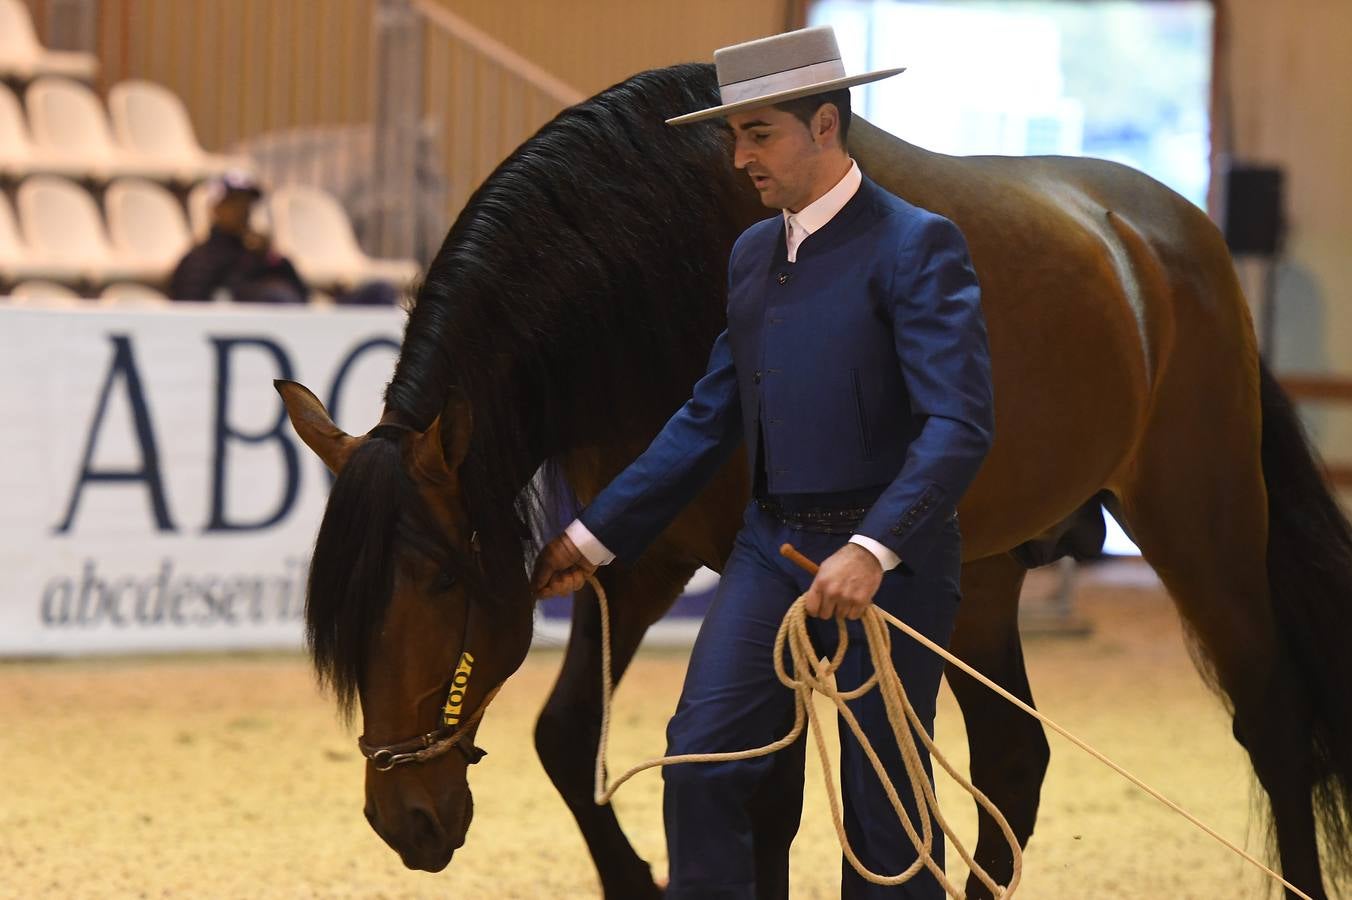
pixel 572 307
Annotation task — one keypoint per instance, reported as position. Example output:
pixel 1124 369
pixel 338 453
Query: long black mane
pixel 573 302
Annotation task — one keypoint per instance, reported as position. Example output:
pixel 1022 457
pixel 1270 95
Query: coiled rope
pixel 811 673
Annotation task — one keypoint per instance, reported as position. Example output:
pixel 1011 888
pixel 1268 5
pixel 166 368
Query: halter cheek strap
pixel 453 733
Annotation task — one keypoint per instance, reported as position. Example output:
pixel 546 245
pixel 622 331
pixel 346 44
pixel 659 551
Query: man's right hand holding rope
pixel 560 569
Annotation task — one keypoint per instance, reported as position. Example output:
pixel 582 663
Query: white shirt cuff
pixel 886 557
pixel 593 550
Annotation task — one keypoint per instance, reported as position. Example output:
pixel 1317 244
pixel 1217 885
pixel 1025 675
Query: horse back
pixel 1089 271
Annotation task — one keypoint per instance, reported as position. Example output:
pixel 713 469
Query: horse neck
pixel 923 177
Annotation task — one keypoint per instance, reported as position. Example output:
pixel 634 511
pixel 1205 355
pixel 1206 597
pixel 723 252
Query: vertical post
pixel 1267 333
pixel 73 25
pixel 398 100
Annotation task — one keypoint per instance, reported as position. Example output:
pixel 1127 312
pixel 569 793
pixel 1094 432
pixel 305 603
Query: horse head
pixel 397 618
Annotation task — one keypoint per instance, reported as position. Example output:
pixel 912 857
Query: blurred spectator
pixel 236 258
pixel 241 261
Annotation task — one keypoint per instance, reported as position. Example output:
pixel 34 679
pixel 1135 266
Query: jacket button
pixel 783 278
pixel 755 379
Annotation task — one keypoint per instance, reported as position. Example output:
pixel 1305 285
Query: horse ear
pixel 457 420
pixel 312 422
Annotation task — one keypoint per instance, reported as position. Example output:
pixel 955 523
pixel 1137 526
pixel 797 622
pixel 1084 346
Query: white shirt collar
pixel 822 210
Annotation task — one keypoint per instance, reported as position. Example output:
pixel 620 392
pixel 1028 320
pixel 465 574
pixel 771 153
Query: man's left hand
pixel 845 584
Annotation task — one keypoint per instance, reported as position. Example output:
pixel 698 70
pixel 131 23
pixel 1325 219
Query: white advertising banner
pixel 152 494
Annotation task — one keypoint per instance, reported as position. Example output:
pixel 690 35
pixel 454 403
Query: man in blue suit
pixel 854 369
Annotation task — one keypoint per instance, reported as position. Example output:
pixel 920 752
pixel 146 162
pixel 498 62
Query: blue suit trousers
pixel 729 825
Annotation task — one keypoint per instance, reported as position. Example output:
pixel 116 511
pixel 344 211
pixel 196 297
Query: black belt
pixel 819 519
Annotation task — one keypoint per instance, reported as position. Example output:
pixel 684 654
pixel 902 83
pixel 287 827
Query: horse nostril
pixel 425 828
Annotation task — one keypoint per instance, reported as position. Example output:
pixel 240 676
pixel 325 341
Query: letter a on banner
pixel 123 365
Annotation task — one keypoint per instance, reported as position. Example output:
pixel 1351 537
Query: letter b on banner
pixel 225 433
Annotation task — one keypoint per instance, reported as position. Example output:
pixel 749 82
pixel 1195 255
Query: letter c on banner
pixel 339 377
pixel 345 368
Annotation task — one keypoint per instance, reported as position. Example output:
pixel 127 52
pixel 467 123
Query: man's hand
pixel 845 584
pixel 559 569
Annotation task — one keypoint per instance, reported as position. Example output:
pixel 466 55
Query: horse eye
pixel 444 582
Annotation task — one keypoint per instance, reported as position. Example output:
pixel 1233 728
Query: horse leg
pixel 568 730
pixel 1196 504
pixel 1009 751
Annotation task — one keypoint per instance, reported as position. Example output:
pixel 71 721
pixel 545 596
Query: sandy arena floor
pixel 230 777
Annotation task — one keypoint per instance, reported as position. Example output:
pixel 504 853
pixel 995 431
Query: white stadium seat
pixel 63 229
pixel 22 57
pixel 146 225
pixel 199 210
pixel 17 259
pixel 17 156
pixel 131 293
pixel 151 121
pixel 314 231
pixel 43 293
pixel 15 151
pixel 70 127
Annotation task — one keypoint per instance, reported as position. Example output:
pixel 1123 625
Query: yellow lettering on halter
pixel 450 713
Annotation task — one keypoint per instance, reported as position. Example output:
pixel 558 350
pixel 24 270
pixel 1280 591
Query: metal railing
pixel 400 108
pixel 450 103
pixel 486 97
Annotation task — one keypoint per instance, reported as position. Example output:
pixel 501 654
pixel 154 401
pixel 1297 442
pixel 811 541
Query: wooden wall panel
pixel 593 44
pixel 248 66
pixel 1290 98
pixel 242 66
pixel 1292 86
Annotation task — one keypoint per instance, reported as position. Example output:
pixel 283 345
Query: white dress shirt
pixel 797 228
pixel 810 219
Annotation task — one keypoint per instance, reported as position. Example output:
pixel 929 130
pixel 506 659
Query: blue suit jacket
pixel 863 364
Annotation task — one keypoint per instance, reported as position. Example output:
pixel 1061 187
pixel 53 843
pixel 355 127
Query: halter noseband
pixel 429 746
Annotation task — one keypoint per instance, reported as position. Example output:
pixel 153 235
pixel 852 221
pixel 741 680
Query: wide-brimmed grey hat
pixel 778 68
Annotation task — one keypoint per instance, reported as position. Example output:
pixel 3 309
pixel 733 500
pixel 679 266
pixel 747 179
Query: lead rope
pixel 809 674
pixel 793 632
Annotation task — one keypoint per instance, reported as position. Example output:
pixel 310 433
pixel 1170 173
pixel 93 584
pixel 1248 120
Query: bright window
pixel 1126 80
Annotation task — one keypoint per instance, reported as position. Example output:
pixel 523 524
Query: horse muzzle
pixel 425 836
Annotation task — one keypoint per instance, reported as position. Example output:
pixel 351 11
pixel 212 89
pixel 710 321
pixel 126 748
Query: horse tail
pixel 1309 564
